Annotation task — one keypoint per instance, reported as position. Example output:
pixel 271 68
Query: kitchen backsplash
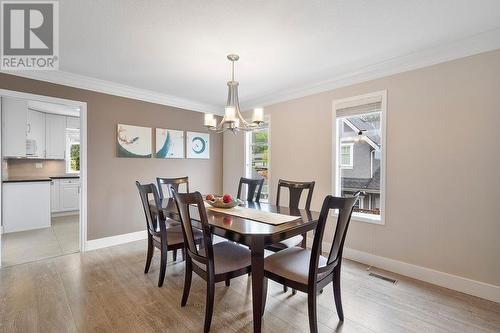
pixel 27 168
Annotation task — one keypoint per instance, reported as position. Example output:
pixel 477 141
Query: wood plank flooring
pixel 106 291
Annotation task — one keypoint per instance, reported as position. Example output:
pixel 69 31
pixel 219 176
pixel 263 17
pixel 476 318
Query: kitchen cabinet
pixel 73 122
pixel 54 195
pixel 14 121
pixel 26 206
pixel 65 195
pixel 69 195
pixel 35 134
pixel 55 135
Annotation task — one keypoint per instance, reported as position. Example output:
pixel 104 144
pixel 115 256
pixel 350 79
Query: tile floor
pixel 26 246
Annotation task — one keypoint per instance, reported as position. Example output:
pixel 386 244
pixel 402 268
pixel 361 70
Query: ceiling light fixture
pixel 233 120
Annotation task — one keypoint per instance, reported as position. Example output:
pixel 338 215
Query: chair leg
pixel 303 244
pixel 294 291
pixel 163 266
pixel 336 292
pixel 150 254
pixel 183 254
pixel 175 255
pixel 209 309
pixel 264 295
pixel 228 282
pixel 285 288
pixel 311 307
pixel 187 281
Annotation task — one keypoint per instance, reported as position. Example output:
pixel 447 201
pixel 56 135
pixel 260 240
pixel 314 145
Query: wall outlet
pixel 39 165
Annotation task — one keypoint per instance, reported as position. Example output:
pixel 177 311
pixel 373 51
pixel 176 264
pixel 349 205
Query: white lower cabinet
pixel 54 195
pixel 26 206
pixel 65 195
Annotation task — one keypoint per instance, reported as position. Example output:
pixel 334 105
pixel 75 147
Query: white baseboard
pixel 446 280
pixel 68 213
pixel 100 243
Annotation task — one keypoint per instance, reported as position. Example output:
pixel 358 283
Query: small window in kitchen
pixel 72 151
pixel 257 158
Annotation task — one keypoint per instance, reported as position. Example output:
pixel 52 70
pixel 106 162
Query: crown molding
pixel 107 87
pixel 483 42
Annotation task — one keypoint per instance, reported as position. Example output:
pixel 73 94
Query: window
pixel 359 153
pixel 72 151
pixel 257 158
pixel 346 155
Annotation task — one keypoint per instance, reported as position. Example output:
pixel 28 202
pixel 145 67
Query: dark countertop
pixel 65 177
pixel 37 179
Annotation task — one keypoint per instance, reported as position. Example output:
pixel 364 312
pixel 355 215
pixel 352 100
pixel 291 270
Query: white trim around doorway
pixel 83 153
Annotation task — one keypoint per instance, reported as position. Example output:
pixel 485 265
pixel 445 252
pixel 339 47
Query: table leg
pixel 257 249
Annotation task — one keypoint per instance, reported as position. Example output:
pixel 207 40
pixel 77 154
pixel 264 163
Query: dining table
pixel 254 234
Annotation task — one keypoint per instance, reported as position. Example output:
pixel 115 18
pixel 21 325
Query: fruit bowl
pixel 220 204
pixel 227 201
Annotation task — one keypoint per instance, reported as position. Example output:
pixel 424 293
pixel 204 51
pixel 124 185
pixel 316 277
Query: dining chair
pixel 307 270
pixel 159 235
pixel 171 183
pixel 295 190
pixel 212 262
pixel 254 188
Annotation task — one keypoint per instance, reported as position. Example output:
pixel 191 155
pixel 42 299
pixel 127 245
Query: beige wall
pixel 443 164
pixel 113 202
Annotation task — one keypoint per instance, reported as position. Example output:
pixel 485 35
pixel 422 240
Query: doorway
pixel 43 173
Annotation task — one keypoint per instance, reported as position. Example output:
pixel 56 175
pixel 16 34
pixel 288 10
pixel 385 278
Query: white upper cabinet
pixel 73 122
pixel 35 135
pixel 55 134
pixel 14 120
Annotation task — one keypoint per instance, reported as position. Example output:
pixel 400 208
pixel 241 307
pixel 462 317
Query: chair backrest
pixel 170 183
pixel 254 188
pixel 155 221
pixel 205 255
pixel 345 206
pixel 295 190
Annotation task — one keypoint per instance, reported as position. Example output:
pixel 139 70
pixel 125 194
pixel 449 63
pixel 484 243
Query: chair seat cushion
pixel 292 264
pixel 290 242
pixel 175 236
pixel 228 257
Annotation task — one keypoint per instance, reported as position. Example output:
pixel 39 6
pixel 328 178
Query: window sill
pixel 366 218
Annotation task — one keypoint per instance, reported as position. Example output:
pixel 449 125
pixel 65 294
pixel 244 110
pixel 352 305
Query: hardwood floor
pixel 106 291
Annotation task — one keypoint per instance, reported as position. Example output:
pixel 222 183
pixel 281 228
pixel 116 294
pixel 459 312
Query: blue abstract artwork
pixel 169 143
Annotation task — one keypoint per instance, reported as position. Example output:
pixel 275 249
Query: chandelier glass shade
pixel 233 120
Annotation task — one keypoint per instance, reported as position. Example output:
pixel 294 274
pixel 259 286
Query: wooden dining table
pixel 256 235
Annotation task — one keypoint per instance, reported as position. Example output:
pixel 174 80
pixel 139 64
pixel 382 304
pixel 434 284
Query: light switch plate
pixel 39 165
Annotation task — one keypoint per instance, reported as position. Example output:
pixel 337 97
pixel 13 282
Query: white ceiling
pixel 179 48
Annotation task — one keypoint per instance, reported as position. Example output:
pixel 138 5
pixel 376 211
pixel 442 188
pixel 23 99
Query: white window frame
pixel 248 137
pixel 351 157
pixel 68 153
pixel 360 217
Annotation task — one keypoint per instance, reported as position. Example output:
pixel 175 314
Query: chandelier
pixel 233 120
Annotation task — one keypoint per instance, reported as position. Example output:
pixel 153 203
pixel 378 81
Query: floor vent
pixel 385 278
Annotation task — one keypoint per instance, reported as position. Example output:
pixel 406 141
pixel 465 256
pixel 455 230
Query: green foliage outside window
pixel 75 157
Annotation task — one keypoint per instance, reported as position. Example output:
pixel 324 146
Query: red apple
pixel 210 197
pixel 227 198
